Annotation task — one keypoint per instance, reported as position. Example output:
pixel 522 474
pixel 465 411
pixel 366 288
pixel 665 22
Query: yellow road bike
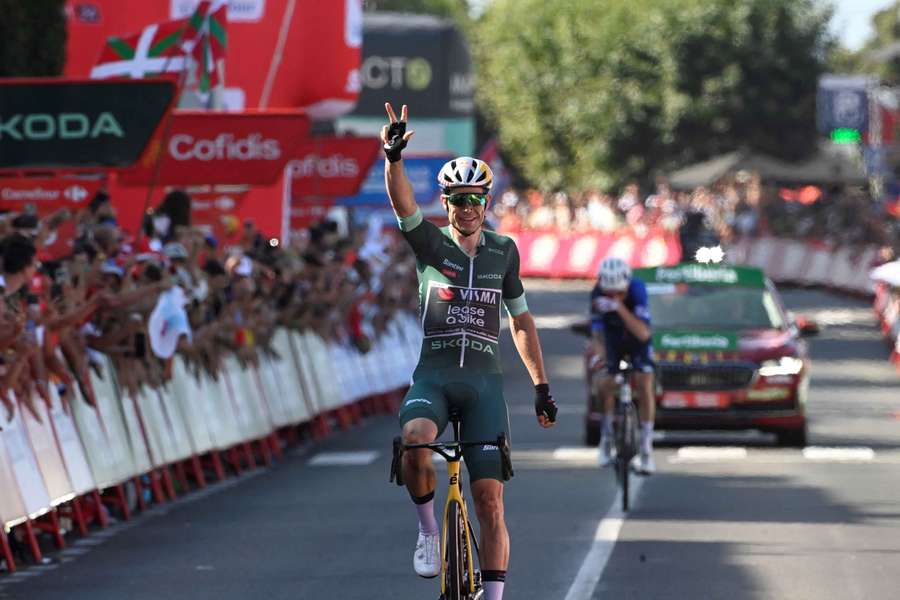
pixel 460 580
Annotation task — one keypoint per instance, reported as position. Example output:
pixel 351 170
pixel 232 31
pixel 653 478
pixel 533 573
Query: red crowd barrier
pixel 578 255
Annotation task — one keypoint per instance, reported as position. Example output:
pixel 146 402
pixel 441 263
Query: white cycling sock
pixel 647 437
pixel 493 590
pixel 425 511
pixel 493 582
pixel 608 425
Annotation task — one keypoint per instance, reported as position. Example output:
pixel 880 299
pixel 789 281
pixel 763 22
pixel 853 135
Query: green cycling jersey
pixel 460 295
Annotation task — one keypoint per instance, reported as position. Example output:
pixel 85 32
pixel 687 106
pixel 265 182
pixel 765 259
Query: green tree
pixel 586 93
pixel 32 38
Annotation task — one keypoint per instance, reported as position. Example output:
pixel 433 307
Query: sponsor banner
pixel 217 211
pixel 452 310
pixel 310 211
pixel 220 148
pixel 427 67
pixel 422 173
pixel 694 340
pixel 281 53
pixel 239 11
pixel 44 196
pixel 69 124
pixel 704 274
pixel 332 166
pixel 554 254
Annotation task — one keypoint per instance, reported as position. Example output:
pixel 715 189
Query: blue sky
pixel 852 19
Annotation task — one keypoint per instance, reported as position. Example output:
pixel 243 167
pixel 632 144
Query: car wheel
pixel 792 438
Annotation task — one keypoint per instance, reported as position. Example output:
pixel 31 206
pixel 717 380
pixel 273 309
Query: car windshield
pixel 713 307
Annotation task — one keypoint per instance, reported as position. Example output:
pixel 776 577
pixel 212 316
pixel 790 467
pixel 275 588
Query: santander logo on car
pixel 225 146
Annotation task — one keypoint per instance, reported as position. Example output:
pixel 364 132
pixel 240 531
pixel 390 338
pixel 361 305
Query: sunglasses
pixel 470 199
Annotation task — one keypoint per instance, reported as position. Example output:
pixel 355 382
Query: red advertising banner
pixel 306 214
pixel 44 196
pixel 221 148
pixel 331 166
pixel 280 53
pixel 551 254
pixel 218 211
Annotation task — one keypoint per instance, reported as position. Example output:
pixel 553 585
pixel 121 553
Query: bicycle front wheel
pixel 456 559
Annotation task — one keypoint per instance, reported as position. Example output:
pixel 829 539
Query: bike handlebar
pixel 442 448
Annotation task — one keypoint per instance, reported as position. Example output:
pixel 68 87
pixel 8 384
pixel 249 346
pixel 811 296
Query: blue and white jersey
pixel 610 322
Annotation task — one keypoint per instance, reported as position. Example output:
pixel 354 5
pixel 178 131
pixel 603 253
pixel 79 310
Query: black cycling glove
pixel 543 402
pixel 395 144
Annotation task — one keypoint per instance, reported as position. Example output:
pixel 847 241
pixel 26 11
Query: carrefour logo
pixel 75 193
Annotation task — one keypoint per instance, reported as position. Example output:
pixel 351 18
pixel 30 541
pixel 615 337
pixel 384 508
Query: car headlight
pixel 786 365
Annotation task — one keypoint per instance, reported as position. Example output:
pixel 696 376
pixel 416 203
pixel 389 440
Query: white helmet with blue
pixel 614 274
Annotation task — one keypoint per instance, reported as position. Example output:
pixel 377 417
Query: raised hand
pixel 394 135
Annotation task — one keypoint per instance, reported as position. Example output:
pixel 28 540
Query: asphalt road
pixel 726 516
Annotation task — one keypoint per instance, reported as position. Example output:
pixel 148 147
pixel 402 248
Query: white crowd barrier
pixel 807 263
pixel 887 307
pixel 67 452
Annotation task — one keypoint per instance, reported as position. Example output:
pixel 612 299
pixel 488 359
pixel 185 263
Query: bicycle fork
pixel 455 495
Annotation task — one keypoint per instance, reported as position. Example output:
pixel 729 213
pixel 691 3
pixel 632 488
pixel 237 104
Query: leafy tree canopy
pixel 587 93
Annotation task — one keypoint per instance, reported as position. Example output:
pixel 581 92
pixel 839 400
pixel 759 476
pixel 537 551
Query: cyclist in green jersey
pixel 465 274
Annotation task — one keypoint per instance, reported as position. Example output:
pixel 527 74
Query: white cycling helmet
pixel 614 274
pixel 465 171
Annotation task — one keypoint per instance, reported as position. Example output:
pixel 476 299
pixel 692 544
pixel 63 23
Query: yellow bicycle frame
pixel 454 494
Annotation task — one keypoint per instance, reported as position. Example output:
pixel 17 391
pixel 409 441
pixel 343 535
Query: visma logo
pixel 445 294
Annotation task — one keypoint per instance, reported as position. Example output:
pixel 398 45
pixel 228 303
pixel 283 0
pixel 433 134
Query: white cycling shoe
pixel 606 452
pixel 643 464
pixel 427 557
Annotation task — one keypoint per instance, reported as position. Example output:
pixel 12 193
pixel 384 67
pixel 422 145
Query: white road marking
pixel 709 454
pixel 343 459
pixel 822 453
pixel 576 454
pixel 601 549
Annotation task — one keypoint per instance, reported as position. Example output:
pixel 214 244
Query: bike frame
pixel 455 494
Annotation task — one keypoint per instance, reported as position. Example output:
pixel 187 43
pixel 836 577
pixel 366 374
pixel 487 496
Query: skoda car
pixel 728 355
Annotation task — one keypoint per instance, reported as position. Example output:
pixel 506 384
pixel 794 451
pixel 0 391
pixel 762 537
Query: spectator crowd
pixel 736 207
pixel 137 299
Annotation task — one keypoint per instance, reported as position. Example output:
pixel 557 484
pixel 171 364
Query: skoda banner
pixel 65 124
pixel 221 148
